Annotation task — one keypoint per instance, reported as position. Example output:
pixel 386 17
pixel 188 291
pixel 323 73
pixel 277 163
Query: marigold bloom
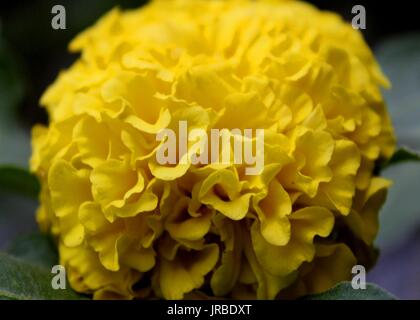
pixel 129 227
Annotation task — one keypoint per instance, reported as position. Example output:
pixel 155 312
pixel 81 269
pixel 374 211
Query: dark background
pixel 42 53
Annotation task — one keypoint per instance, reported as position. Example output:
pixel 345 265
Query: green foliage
pixel 403 154
pixel 22 280
pixel 25 271
pixel 35 248
pixel 18 180
pixel 344 291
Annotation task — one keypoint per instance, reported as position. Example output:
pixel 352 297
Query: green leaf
pixel 344 291
pixel 403 154
pixel 35 248
pixel 22 280
pixel 18 180
pixel 16 216
pixel 25 270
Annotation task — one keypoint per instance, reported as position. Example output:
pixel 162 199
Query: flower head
pixel 128 226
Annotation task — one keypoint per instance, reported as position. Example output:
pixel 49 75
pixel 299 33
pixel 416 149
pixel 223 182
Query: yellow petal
pixel 221 190
pixel 186 273
pixel 69 188
pixel 305 225
pixel 272 208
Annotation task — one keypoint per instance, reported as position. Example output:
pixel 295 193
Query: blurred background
pixel 32 54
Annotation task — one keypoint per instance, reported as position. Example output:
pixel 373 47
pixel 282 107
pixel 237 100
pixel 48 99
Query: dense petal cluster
pixel 129 227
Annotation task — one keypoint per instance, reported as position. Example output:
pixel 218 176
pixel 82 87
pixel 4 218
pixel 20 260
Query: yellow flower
pixel 128 226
